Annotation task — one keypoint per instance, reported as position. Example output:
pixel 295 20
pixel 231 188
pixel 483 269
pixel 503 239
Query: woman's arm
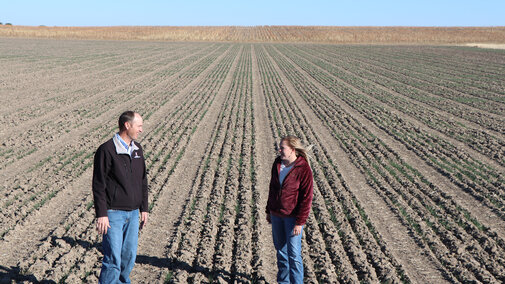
pixel 305 195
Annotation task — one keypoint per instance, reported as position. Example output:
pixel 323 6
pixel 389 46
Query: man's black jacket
pixel 119 181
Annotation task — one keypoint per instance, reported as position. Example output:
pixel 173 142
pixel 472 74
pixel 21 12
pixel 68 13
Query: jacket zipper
pixel 280 191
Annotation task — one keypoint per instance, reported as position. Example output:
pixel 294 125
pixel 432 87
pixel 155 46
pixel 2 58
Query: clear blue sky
pixel 252 13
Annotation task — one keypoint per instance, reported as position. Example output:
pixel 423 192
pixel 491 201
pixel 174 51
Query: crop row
pixel 217 226
pixel 219 235
pixel 51 174
pixel 52 68
pixel 67 94
pixel 485 143
pixel 434 81
pixel 60 89
pixel 450 66
pixel 422 84
pixel 396 73
pixel 342 245
pixel 470 174
pixel 438 223
pixel 22 68
pixel 26 57
pixel 136 92
pixel 73 246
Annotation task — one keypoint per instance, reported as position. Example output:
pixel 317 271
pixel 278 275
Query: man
pixel 119 193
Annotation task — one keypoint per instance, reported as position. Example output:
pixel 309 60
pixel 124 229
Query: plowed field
pixel 407 149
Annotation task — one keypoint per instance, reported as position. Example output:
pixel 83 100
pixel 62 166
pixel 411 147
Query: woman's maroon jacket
pixel 294 198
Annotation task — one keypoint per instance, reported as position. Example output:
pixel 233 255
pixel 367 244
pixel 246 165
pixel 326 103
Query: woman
pixel 288 207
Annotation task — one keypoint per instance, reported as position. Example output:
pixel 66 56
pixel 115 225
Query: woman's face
pixel 285 151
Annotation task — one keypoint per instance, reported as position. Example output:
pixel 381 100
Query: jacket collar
pixel 120 148
pixel 298 162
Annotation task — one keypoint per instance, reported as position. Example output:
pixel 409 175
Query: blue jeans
pixel 289 250
pixel 119 246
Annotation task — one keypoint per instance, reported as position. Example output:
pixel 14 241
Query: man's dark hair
pixel 126 116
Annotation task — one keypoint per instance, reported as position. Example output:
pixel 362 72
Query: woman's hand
pixel 297 230
pixel 269 220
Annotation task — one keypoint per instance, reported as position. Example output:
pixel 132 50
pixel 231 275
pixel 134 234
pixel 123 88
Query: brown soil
pixel 387 207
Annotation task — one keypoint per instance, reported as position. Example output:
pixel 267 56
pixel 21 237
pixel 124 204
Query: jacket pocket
pixel 288 200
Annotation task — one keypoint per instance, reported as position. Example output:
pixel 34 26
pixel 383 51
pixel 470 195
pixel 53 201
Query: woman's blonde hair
pixel 295 143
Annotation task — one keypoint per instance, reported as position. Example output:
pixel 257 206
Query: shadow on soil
pixel 82 243
pixel 14 274
pixel 174 264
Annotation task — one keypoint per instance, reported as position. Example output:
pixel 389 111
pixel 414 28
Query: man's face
pixel 135 127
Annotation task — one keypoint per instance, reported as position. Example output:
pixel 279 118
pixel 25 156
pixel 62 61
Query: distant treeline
pixel 314 34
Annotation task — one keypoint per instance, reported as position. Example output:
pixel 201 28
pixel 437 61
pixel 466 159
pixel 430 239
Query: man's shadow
pixel 175 264
pixel 13 273
pixel 9 274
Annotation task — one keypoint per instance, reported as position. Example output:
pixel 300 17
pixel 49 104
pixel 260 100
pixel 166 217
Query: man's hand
pixel 297 230
pixel 102 224
pixel 143 219
pixel 269 220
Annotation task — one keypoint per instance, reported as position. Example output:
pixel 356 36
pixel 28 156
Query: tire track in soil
pixel 468 202
pixel 265 158
pixel 210 189
pixel 21 165
pixel 213 259
pixel 225 240
pixel 151 247
pixel 38 224
pixel 207 190
pixel 396 235
pixel 228 256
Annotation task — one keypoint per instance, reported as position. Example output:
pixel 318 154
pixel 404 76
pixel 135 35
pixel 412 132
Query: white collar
pixel 120 148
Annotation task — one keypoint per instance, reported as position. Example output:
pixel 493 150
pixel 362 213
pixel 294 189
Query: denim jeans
pixel 119 246
pixel 289 250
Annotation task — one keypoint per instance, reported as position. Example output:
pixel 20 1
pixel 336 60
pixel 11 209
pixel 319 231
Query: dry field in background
pixel 313 34
pixel 408 158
